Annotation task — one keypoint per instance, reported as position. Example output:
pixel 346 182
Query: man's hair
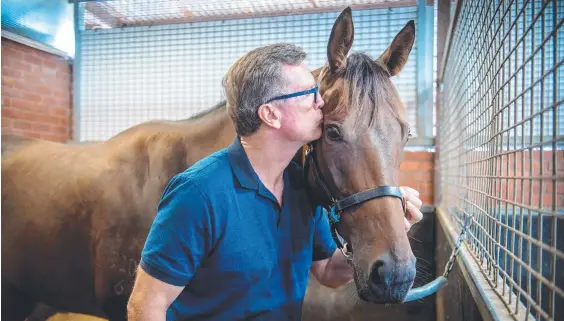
pixel 255 78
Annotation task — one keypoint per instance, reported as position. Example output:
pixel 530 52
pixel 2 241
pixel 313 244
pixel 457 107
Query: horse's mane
pixel 221 105
pixel 155 125
pixel 367 85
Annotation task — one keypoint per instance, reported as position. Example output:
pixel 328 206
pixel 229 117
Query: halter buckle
pixel 346 253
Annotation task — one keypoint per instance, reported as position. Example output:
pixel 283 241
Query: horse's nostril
pixel 377 275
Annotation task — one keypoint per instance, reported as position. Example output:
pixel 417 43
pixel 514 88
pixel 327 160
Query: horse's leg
pixel 16 305
pixel 115 308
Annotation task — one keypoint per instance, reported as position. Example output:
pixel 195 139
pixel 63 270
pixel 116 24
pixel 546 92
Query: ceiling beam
pixel 106 14
pixel 189 19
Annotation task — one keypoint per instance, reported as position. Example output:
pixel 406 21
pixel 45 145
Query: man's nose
pixel 320 102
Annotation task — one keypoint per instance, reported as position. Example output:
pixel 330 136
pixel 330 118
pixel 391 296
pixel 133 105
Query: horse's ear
pixel 395 57
pixel 340 40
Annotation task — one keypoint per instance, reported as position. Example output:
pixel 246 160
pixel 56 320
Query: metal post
pixel 424 38
pixel 77 21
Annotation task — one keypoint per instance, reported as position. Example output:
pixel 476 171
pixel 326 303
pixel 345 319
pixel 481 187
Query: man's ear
pixel 270 115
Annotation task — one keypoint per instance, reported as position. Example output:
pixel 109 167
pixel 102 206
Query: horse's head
pixel 364 134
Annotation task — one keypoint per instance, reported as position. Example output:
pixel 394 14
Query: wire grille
pixel 501 148
pixel 112 14
pixel 133 74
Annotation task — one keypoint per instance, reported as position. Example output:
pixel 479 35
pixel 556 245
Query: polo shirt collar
pixel 241 165
pixel 248 178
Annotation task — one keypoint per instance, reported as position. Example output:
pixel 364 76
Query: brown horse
pixel 75 217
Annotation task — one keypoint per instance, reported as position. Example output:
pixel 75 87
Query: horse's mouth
pixel 395 293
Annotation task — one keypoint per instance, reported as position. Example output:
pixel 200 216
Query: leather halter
pixel 336 207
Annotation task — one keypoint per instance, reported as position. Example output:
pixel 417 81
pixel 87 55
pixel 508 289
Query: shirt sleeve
pixel 323 244
pixel 180 236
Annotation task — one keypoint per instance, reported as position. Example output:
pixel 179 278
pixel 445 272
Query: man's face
pixel 301 116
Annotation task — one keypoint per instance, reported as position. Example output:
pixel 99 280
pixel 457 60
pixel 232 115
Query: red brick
pixel 17 65
pixel 49 63
pixel 42 89
pixel 426 199
pixel 22 124
pixel 8 81
pixel 59 111
pixel 6 101
pixel 409 166
pixel 31 134
pixel 53 137
pixel 32 59
pixel 7 123
pixel 426 166
pixel 11 73
pixel 32 97
pixel 59 129
pixel 426 188
pixel 418 155
pixel 27 104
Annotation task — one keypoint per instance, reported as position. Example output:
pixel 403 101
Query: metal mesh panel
pixel 133 74
pixel 501 139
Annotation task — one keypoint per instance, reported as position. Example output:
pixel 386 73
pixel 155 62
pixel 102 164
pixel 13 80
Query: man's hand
pixel 413 215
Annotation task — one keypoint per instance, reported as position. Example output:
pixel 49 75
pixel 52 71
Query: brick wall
pixel 36 92
pixel 417 172
pixel 517 178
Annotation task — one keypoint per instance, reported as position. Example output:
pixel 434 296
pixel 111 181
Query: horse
pixel 76 216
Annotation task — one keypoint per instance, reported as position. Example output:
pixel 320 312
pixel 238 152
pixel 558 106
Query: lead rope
pixel 456 250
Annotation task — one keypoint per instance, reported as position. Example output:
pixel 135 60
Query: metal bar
pixel 76 72
pixel 105 13
pixel 453 22
pixel 424 70
pixel 554 232
pixel 539 226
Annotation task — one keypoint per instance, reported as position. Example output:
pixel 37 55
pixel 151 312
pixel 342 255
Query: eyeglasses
pixel 313 90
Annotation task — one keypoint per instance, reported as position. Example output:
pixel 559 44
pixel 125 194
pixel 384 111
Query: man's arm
pixel 180 236
pixel 150 298
pixel 335 271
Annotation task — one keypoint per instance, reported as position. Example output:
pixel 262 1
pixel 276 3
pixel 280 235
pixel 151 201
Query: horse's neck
pixel 194 139
pixel 207 134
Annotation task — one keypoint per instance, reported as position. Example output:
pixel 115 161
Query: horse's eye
pixel 333 132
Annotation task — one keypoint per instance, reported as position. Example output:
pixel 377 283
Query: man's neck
pixel 269 157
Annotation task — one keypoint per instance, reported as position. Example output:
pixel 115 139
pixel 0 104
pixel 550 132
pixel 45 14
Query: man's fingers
pixel 409 190
pixel 412 196
pixel 407 224
pixel 413 214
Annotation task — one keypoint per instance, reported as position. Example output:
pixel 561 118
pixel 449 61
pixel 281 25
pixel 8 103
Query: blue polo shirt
pixel 221 234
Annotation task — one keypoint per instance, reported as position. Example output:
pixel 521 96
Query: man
pixel 234 237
